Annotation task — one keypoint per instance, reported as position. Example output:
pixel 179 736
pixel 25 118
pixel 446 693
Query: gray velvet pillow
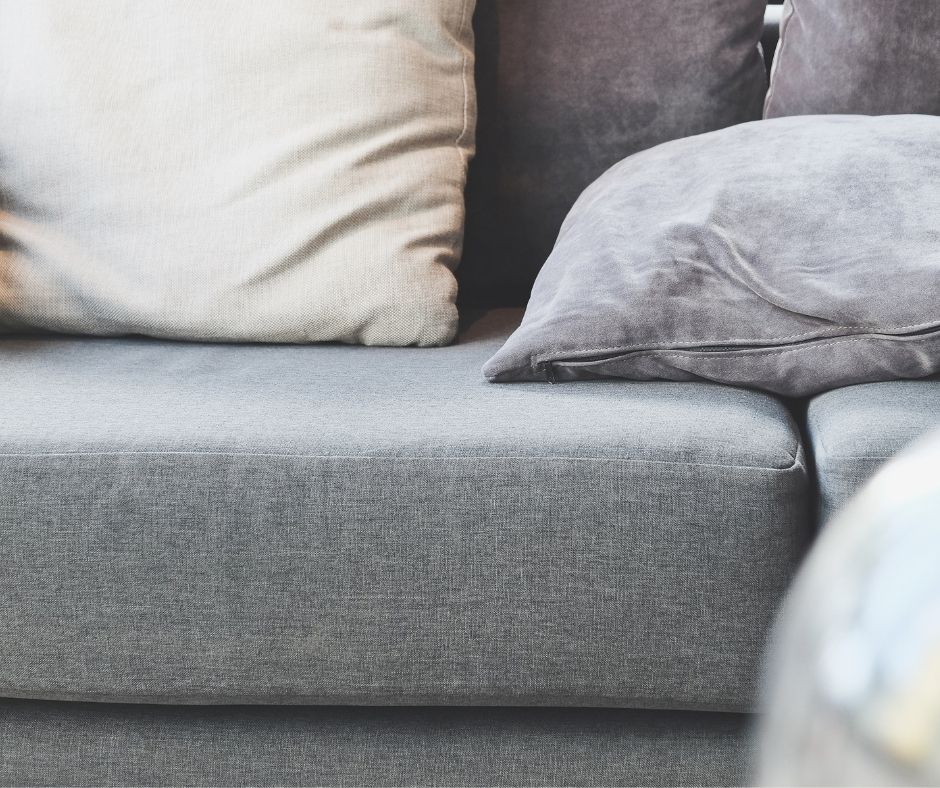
pixel 793 255
pixel 567 88
pixel 865 57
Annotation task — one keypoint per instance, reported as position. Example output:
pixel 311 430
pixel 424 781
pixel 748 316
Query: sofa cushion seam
pixel 794 461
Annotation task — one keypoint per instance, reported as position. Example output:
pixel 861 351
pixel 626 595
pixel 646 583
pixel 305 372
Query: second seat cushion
pixel 854 430
pixel 330 524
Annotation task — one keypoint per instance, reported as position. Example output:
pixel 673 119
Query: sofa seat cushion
pixel 335 524
pixel 854 430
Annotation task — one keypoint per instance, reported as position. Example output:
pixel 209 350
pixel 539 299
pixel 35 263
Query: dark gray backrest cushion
pixel 865 57
pixel 566 88
pixel 681 264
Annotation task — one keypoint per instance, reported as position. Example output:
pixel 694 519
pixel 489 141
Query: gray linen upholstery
pixel 865 57
pixel 99 744
pixel 566 89
pixel 681 264
pixel 854 430
pixel 335 524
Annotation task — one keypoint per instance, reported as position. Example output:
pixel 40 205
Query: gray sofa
pixel 348 565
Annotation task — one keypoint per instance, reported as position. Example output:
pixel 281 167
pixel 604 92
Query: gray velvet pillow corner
pixel 866 57
pixel 792 255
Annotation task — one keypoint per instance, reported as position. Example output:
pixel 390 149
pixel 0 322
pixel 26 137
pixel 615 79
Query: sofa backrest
pixel 551 78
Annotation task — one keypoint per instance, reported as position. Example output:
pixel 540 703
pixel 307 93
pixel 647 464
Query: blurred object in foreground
pixel 854 676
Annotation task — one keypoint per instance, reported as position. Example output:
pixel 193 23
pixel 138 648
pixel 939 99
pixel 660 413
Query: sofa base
pixel 47 743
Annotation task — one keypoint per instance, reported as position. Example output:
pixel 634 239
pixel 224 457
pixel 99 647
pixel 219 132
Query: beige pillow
pixel 234 170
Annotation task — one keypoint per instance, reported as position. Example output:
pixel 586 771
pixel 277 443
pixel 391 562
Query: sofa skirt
pixel 52 743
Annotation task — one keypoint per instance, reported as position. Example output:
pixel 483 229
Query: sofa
pixel 329 564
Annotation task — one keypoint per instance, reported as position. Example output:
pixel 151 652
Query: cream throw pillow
pixel 288 171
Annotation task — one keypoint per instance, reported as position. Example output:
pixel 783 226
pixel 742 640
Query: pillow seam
pixel 628 348
pixel 763 352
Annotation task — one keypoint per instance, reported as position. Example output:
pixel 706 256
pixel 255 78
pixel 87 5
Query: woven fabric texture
pixel 52 744
pixel 233 171
pixel 379 525
pixel 855 430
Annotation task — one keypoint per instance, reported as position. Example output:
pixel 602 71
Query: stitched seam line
pixel 769 351
pixel 627 348
pixel 415 458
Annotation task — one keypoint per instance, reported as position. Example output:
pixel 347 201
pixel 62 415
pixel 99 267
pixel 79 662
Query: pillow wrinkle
pixel 679 264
